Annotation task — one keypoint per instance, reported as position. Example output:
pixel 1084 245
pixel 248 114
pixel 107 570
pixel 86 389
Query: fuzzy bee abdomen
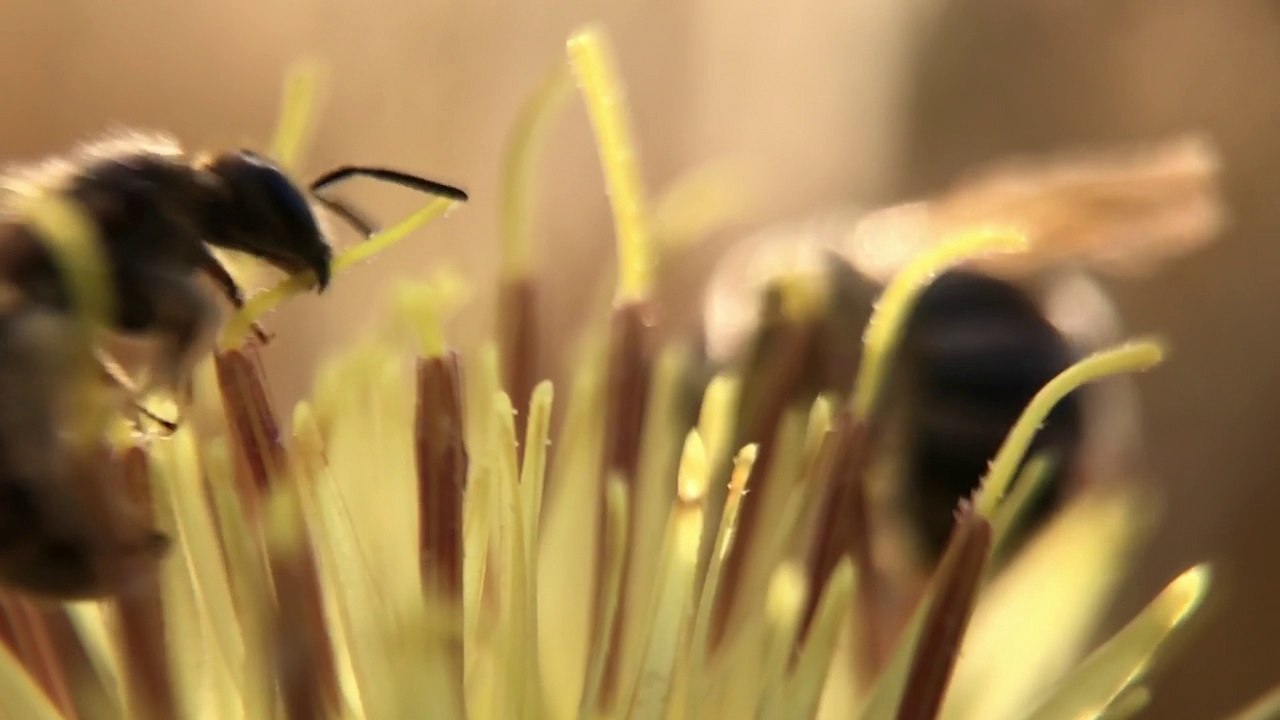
pixel 975 351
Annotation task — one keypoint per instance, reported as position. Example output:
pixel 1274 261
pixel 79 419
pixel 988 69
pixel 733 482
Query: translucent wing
pixel 1122 211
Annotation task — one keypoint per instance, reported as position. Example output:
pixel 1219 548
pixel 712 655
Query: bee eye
pixel 286 196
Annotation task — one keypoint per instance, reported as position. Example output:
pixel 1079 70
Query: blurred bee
pixel 984 337
pixel 159 212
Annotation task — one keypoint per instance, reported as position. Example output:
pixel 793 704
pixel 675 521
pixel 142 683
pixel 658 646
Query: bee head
pixel 263 213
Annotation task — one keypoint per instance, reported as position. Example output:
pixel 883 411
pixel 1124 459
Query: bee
pixel 974 351
pixel 160 213
pixel 983 338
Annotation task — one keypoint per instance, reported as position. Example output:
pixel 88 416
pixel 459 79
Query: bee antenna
pixel 421 184
pixel 347 213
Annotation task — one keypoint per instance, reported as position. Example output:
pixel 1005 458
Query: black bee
pixel 158 211
pixel 983 340
pixel 975 349
pixel 161 211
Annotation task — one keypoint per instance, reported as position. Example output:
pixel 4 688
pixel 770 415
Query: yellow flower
pixel 433 553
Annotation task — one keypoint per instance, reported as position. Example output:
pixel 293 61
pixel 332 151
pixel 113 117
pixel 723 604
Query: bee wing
pixel 732 301
pixel 1123 212
pixel 1080 308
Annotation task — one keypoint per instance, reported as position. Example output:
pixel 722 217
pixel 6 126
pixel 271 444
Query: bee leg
pixel 169 427
pixel 263 336
pixel 219 274
pixel 114 374
pixel 186 320
pixel 230 290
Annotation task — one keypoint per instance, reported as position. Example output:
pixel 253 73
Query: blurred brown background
pixel 861 101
